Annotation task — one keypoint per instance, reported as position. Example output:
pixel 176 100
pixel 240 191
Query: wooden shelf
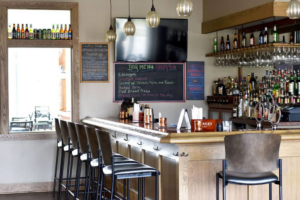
pixel 253 122
pixel 39 43
pixel 248 49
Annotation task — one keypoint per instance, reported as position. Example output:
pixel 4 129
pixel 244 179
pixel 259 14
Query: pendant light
pixel 129 27
pixel 110 34
pixel 184 8
pixel 152 18
pixel 293 9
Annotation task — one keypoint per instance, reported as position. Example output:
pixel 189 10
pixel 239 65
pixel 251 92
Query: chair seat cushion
pixel 59 144
pixel 75 152
pixel 129 169
pixel 66 148
pixel 249 179
pixel 118 160
pixel 84 157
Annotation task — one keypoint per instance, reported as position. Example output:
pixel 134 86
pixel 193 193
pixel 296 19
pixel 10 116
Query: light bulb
pixel 184 8
pixel 293 9
pixel 129 28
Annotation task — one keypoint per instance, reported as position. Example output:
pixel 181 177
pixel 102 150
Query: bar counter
pixel 189 161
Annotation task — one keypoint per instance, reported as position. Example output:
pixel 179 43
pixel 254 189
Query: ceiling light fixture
pixel 184 8
pixel 111 34
pixel 293 9
pixel 129 27
pixel 152 18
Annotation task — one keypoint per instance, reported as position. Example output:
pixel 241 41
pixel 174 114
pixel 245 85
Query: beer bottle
pixel 26 32
pixel 57 32
pixel 18 32
pixel 9 32
pixel 275 34
pixel 244 42
pixel 14 32
pixel 22 32
pixel 261 38
pixel 53 33
pixel 227 43
pixel 222 46
pixel 235 42
pixel 31 35
pixel 252 39
pixel 66 32
pixel 266 36
pixel 62 35
pixel 70 32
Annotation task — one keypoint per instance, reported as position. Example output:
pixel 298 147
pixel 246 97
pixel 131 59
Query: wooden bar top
pixel 172 136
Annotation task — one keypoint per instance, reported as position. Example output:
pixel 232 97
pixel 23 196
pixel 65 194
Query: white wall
pixel 33 161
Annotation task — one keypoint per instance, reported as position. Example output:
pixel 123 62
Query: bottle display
pixel 227 43
pixel 275 34
pixel 31 34
pixel 70 32
pixel 222 45
pixel 266 36
pixel 9 32
pixel 244 40
pixel 252 39
pixel 26 32
pixel 235 42
pixel 14 32
pixel 22 32
pixel 215 46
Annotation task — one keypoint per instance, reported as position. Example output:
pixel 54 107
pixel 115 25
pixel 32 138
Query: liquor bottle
pixel 275 34
pixel 287 84
pixel 291 84
pixel 53 33
pixel 222 45
pixel 235 42
pixel 227 43
pixel 249 112
pixel 18 32
pixel 9 32
pixel 215 46
pixel 244 40
pixel 235 91
pixel 22 32
pixel 70 33
pixel 31 35
pixel 57 32
pixel 261 38
pixel 26 32
pixel 227 85
pixel 283 39
pixel 240 107
pixel 14 32
pixel 62 34
pixel 298 83
pixel 291 39
pixel 266 109
pixel 235 108
pixel 266 36
pixel 252 39
pixel 66 32
pixel 221 88
pixel 252 82
pixel 245 106
pixel 276 89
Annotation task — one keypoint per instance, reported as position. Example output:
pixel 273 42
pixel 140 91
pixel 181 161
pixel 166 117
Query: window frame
pixel 5 44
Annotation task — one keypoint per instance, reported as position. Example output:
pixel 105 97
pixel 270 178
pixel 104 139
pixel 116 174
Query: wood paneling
pixel 151 160
pixel 168 178
pixel 4 115
pixel 250 15
pixel 136 154
pixel 38 5
pixel 40 43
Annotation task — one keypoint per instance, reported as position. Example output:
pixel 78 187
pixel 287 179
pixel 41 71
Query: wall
pixel 33 161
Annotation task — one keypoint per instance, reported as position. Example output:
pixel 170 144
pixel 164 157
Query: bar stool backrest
pixel 73 134
pixel 252 153
pixel 92 139
pixel 81 137
pixel 64 131
pixel 105 146
pixel 57 129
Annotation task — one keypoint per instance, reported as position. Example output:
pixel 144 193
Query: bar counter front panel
pixel 189 161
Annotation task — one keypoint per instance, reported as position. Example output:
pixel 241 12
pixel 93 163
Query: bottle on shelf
pixel 235 108
pixel 235 42
pixel 227 43
pixel 275 34
pixel 291 39
pixel 9 33
pixel 221 88
pixel 244 40
pixel 66 33
pixel 18 32
pixel 283 39
pixel 215 46
pixel 57 32
pixel 26 32
pixel 222 45
pixel 22 32
pixel 291 84
pixel 298 83
pixel 53 32
pixel 252 82
pixel 14 32
pixel 70 32
pixel 62 34
pixel 261 38
pixel 266 36
pixel 240 106
pixel 235 91
pixel 252 40
pixel 31 34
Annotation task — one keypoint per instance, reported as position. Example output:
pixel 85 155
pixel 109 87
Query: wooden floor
pixel 30 196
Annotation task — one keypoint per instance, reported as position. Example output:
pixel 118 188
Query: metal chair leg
pixel 70 180
pixel 86 178
pixel 112 187
pixel 156 186
pixel 89 183
pixel 270 191
pixel 78 174
pixel 55 172
pixel 128 189
pixel 102 177
pixel 217 186
pixel 139 188
pixel 143 188
pixel 61 174
pixel 98 182
pixel 68 169
pixel 124 189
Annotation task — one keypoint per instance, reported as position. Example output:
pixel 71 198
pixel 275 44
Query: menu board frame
pixel 108 59
pixel 183 91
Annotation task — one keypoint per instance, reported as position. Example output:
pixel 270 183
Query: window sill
pixel 15 136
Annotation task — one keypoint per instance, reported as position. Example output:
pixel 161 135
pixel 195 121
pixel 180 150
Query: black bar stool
pixel 123 171
pixel 96 161
pixel 58 147
pixel 250 160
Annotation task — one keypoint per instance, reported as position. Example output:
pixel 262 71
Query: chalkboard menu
pixel 94 62
pixel 161 82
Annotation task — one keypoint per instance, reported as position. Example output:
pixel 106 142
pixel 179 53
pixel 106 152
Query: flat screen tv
pixel 167 43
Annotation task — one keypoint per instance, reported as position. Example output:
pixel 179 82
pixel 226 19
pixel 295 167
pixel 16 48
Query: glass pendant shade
pixel 129 28
pixel 293 9
pixel 152 19
pixel 111 35
pixel 184 8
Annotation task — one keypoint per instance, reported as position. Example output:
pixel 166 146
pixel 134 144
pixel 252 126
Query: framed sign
pixel 195 81
pixel 94 62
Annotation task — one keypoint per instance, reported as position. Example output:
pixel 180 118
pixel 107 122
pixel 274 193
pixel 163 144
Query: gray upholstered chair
pixel 250 160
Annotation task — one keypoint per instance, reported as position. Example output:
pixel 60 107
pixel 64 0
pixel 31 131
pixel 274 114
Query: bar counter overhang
pixel 189 161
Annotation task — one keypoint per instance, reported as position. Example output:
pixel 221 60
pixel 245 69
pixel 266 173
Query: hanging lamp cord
pixel 152 9
pixel 129 7
pixel 110 14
